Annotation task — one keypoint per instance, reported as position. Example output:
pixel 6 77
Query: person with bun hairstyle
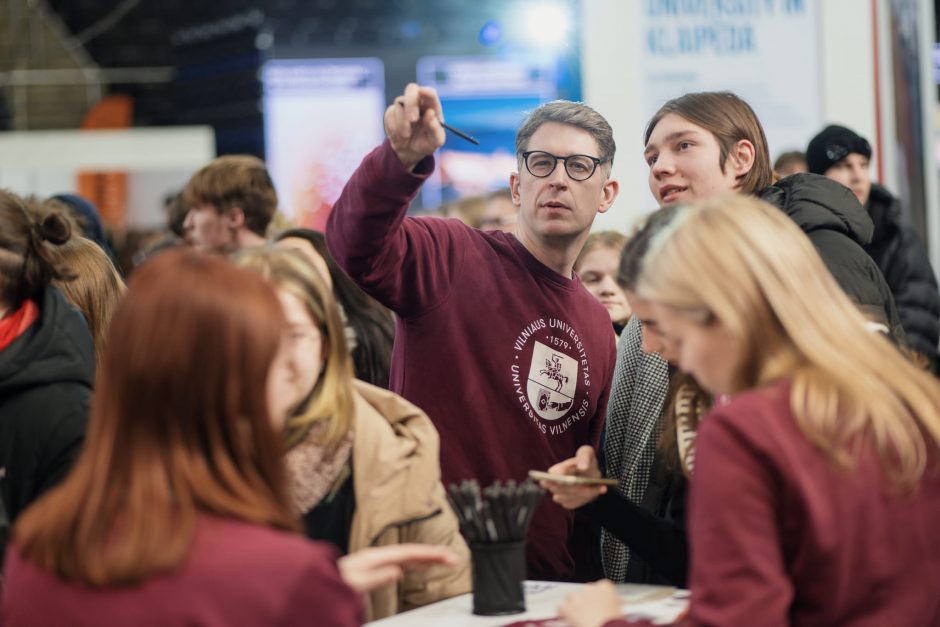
pixel 47 358
pixel 177 512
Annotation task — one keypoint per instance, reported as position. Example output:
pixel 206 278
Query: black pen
pixel 456 131
pixel 490 522
pixel 459 133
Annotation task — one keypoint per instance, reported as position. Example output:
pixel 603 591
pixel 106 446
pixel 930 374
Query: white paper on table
pixel 660 607
pixel 659 611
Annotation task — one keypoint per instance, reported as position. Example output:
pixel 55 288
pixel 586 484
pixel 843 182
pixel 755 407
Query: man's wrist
pixel 408 159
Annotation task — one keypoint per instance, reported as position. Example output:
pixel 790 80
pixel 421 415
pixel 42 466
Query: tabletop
pixel 660 604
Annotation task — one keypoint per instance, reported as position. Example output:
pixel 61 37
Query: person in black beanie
pixel 842 155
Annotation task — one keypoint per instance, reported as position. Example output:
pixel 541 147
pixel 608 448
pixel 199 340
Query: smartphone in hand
pixel 539 475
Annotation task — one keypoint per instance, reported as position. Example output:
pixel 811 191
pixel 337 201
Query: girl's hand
pixel 592 605
pixel 376 567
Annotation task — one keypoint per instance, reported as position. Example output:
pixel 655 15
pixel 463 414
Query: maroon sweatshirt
pixel 781 536
pixel 511 360
pixel 236 574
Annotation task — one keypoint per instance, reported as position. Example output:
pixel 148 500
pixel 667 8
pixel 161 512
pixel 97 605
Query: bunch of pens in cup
pixel 501 513
pixel 494 524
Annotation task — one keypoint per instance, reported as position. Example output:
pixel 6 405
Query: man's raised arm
pixel 398 261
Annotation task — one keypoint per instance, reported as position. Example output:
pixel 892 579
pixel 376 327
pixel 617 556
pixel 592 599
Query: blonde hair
pixel 614 240
pixel 331 400
pixel 468 210
pixel 96 289
pixel 744 263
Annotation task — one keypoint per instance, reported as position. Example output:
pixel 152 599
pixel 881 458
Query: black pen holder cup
pixel 498 573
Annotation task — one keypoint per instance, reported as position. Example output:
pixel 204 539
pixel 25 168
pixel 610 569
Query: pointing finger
pixel 412 103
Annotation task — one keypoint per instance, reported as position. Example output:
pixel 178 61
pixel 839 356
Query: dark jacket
pixel 46 378
pixel 654 529
pixel 839 227
pixel 900 254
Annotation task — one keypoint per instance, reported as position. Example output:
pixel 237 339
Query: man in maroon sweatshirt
pixel 497 339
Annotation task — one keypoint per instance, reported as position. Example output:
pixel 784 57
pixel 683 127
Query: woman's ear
pixel 742 157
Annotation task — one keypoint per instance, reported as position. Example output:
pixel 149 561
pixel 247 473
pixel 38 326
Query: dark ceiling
pixel 202 41
pixel 121 33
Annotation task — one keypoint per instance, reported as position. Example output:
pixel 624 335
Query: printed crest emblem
pixel 553 379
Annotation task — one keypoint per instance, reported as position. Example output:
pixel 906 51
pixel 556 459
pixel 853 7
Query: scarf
pixel 633 427
pixel 688 416
pixel 313 471
pixel 13 324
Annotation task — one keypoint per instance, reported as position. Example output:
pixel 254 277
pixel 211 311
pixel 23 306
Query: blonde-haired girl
pixel 362 462
pixel 817 483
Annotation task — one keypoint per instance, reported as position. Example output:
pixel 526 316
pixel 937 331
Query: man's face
pixel 209 230
pixel 557 206
pixel 684 163
pixel 853 172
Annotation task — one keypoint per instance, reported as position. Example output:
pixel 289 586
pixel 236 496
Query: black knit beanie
pixel 833 144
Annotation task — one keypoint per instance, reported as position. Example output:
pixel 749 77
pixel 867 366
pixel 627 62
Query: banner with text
pixel 765 51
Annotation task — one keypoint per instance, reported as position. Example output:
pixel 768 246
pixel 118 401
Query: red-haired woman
pixel 176 512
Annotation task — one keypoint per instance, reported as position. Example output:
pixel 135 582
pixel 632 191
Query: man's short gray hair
pixel 575 114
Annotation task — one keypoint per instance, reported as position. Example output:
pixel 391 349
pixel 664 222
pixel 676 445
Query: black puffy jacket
pixel 46 377
pixel 900 254
pixel 840 228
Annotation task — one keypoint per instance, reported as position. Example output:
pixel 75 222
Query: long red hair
pixel 179 427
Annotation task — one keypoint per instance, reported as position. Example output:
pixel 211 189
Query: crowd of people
pixel 259 426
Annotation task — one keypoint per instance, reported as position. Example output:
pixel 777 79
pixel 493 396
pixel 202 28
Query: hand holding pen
pixel 415 126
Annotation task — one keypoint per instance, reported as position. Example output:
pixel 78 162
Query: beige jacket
pixel 400 498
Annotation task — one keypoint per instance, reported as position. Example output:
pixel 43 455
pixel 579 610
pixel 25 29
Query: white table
pixel 542 599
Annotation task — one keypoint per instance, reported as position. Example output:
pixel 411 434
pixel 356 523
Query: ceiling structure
pixel 147 34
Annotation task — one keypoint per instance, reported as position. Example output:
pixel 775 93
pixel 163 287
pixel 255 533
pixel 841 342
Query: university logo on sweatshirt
pixel 549 361
pixel 552 382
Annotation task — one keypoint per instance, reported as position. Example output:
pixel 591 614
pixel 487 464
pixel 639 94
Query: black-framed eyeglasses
pixel 579 167
pixel 838 151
